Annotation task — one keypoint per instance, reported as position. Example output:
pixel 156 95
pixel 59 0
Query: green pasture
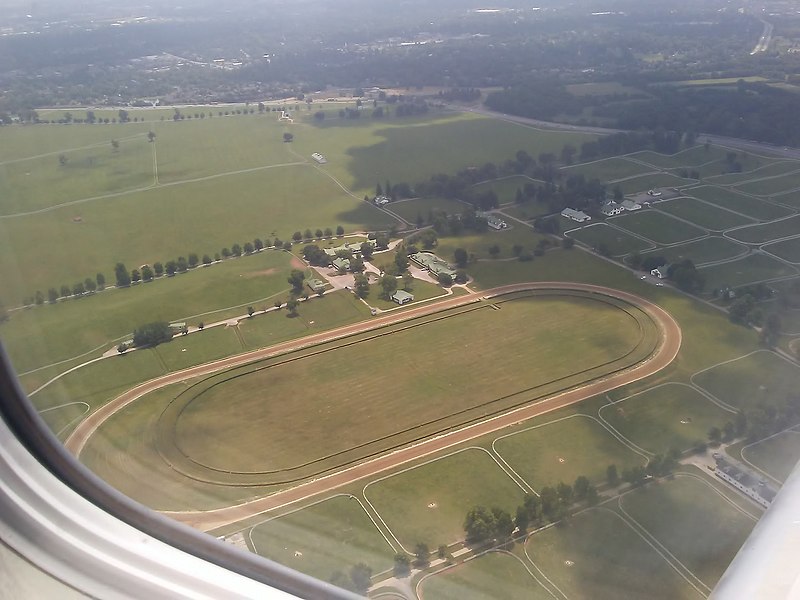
pixel 561 451
pixel 428 353
pixel 750 269
pixel 517 234
pixel 204 346
pixel 708 249
pixel 526 211
pixel 603 88
pixel 757 234
pixel 617 241
pixel 747 205
pixel 649 182
pixel 718 81
pixel 772 186
pixel 124 454
pixel 659 227
pixel 422 290
pixel 693 522
pixel 22 143
pixel 38 183
pixel 691 157
pixel 332 535
pixel 596 556
pixel 49 333
pixel 170 221
pixel 607 169
pixel 761 377
pixel 506 187
pixel 665 417
pixel 776 456
pixel 428 503
pixel 773 169
pixel 702 214
pixel 334 309
pixel 788 250
pixel 496 575
pixel 365 152
pixel 149 114
pixel 425 208
pixel 708 337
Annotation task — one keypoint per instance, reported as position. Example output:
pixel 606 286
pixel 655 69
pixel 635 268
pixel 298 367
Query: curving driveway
pixel 211 519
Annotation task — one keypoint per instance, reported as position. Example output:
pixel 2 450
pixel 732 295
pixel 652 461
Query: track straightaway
pixel 668 348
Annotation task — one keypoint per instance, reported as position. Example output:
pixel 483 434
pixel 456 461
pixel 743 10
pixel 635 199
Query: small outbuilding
pixel 402 297
pixel 610 209
pixel 575 215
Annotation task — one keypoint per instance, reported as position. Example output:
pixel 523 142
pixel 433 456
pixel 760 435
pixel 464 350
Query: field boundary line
pixel 629 521
pixel 774 435
pixel 537 567
pixel 705 481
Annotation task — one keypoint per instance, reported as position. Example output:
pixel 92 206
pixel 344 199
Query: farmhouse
pixel 757 490
pixel 575 215
pixel 433 264
pixel 402 296
pixel 341 264
pixel 496 223
pixel 319 158
pixel 315 285
pixel 661 272
pixel 630 205
pixel 611 208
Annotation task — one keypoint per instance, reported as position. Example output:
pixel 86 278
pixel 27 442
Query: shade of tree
pixel 152 334
pixel 151 136
pixel 101 280
pixel 171 267
pixel 307 235
pixel 366 250
pixel 339 230
pixel 445 279
pixel 114 145
pixel 361 578
pixel 258 244
pixel 296 279
pixel 38 298
pixel 122 276
pixel 361 286
pixel 461 257
pixel 479 525
pixel 402 565
pixel 226 252
pixel 158 269
pixel 90 284
pixel 329 232
pixel 136 276
pixel 388 286
pixel 401 260
pixel 52 295
pixel 494 250
pixel 193 260
pixel 147 273
pixel 207 259
pixel 291 306
pixel 65 291
pixel 288 137
pixel 182 264
pixel 236 250
pixel 422 554
pixel 581 488
pixel 62 159
pixel 714 435
pixel 250 311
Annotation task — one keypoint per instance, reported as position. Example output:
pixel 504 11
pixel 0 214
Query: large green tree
pixel 152 334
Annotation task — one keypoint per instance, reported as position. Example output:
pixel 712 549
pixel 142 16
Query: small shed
pixel 402 297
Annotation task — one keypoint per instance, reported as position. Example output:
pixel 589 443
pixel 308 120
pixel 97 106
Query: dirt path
pixel 207 520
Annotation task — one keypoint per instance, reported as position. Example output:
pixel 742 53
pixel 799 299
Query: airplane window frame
pixel 50 503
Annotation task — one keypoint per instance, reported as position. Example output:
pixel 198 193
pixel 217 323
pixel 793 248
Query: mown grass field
pixel 422 290
pixel 769 170
pixel 617 241
pixel 761 377
pixel 428 503
pixel 788 250
pixel 424 208
pixel 494 575
pixel 561 451
pixel 506 187
pixel 702 251
pixel 666 417
pixel 526 211
pixel 428 355
pixel 774 185
pixel 694 523
pixel 649 182
pixel 691 157
pixel 332 535
pixel 596 556
pixel 750 269
pixel 757 234
pixel 608 169
pixel 776 456
pixel 478 244
pixel 658 227
pixel 72 327
pixel 747 205
pixel 705 215
pixel 253 192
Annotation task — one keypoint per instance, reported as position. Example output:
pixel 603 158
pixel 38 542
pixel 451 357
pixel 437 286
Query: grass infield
pixel 659 227
pixel 332 535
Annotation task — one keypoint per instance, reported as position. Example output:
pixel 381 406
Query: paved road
pixel 207 520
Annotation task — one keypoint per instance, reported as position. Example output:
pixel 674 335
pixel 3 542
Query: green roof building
pixel 433 264
pixel 402 297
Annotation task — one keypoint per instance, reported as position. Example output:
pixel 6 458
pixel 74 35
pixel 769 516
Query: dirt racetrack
pixel 207 520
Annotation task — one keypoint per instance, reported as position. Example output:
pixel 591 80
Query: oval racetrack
pixel 206 520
